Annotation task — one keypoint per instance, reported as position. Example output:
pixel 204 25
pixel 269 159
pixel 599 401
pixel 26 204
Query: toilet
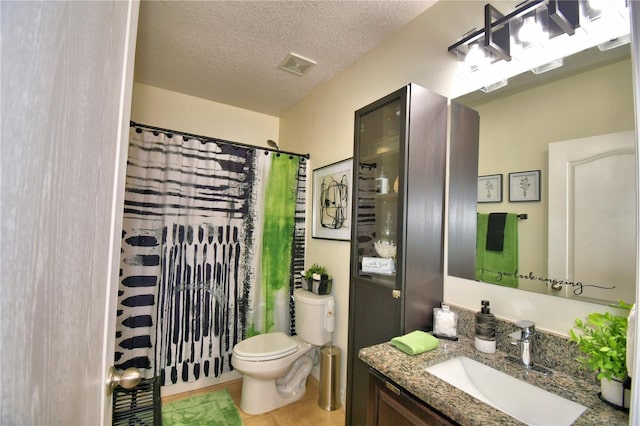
pixel 275 366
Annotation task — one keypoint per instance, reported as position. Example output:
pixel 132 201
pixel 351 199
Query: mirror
pixel 530 133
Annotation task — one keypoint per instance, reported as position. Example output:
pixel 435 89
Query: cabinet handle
pixel 392 388
pixel 396 294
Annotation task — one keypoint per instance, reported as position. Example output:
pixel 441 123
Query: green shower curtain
pixel 277 235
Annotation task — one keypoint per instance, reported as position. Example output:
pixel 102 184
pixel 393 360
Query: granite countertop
pixel 409 372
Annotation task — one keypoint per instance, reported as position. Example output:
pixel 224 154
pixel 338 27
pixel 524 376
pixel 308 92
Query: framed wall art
pixel 490 188
pixel 332 188
pixel 524 186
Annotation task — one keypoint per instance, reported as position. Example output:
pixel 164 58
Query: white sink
pixel 519 399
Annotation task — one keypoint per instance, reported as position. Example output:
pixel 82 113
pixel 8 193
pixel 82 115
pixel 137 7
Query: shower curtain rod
pixel 204 139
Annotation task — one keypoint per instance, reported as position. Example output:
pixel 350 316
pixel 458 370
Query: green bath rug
pixel 210 409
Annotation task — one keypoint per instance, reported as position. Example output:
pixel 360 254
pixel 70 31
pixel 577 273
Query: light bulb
pixel 475 57
pixel 531 31
pixel 596 5
pixel 607 19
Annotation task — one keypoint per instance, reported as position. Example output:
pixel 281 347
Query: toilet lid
pixel 266 346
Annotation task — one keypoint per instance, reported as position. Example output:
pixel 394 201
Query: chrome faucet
pixel 525 337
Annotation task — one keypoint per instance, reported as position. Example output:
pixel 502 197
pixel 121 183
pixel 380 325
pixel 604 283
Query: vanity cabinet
pixel 398 194
pixel 390 405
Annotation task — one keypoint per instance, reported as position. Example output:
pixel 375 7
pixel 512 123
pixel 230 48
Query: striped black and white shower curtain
pixel 213 238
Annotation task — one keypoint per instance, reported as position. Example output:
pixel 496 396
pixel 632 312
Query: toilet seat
pixel 265 347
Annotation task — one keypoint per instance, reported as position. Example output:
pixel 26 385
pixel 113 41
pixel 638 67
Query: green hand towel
pixel 415 343
pixel 493 266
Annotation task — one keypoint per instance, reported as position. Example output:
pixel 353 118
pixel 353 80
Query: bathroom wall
pixel 171 110
pixel 322 124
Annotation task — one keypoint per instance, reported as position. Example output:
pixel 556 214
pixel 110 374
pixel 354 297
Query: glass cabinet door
pixel 378 186
pixel 396 245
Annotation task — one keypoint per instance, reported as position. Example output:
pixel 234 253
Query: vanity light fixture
pixel 531 30
pixel 495 86
pixel 536 36
pixel 496 37
pixel 603 15
pixel 556 63
pixel 476 57
pixel 566 14
pixel 612 44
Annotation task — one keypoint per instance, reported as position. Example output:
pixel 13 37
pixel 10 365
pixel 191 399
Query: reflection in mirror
pixel 578 238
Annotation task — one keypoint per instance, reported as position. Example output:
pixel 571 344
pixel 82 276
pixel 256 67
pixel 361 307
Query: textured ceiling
pixel 229 51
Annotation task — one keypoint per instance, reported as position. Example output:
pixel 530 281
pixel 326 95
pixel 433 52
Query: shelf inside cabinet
pixel 380 148
pixel 389 196
pixel 375 160
pixel 381 279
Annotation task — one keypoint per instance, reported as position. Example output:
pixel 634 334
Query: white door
pixel 592 216
pixel 67 71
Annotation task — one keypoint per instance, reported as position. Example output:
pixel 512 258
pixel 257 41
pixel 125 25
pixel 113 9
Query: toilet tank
pixel 311 313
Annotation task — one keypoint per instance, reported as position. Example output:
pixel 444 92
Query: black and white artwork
pixel 524 186
pixel 332 201
pixel 490 188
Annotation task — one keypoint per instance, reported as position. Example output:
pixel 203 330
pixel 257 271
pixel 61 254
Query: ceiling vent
pixel 296 64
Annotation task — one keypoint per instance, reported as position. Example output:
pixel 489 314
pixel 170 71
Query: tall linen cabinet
pixel 397 228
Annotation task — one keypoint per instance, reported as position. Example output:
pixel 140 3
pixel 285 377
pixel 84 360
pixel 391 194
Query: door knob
pixel 396 294
pixel 128 379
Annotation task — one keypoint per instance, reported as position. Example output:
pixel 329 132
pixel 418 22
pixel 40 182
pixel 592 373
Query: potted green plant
pixel 603 340
pixel 317 279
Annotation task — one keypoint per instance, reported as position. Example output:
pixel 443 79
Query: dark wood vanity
pixel 401 391
pixel 391 405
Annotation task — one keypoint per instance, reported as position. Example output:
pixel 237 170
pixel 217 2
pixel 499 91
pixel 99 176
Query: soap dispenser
pixel 485 329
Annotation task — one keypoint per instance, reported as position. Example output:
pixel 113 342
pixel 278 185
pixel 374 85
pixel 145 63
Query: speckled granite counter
pixel 409 372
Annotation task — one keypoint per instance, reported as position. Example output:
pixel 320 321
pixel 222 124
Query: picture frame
pixel 524 186
pixel 490 188
pixel 332 195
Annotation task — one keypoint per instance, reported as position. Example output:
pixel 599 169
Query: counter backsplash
pixel 552 351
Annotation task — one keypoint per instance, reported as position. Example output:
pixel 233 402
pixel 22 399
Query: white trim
pixel 634 17
pixel 122 142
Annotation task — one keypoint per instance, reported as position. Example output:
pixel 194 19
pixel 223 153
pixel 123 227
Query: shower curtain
pixel 212 243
